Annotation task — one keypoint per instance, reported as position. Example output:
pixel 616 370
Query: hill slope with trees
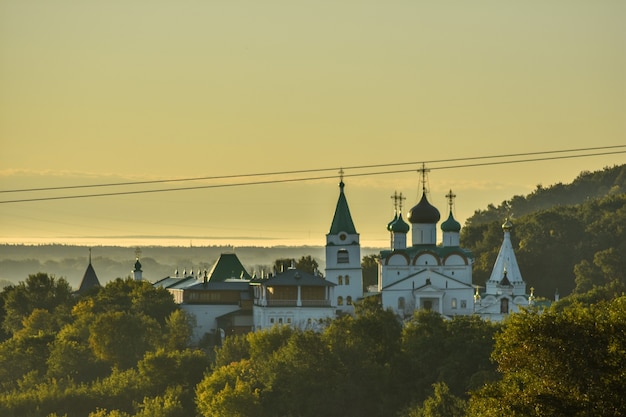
pixel 559 232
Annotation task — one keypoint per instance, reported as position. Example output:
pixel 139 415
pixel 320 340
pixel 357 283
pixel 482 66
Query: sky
pixel 95 92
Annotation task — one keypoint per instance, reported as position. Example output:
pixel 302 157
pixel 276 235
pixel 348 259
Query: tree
pixel 440 404
pixel 230 391
pixel 566 362
pixel 307 264
pixel 369 265
pixel 39 291
pixel 122 338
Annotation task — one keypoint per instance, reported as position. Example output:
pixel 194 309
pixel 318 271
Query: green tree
pixel 369 265
pixel 566 362
pixel 230 391
pixel 39 291
pixel 122 338
pixel 179 330
pixel 307 264
pixel 440 404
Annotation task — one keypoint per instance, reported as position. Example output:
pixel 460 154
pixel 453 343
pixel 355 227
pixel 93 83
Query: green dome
pixel 400 226
pixel 451 225
pixel 392 222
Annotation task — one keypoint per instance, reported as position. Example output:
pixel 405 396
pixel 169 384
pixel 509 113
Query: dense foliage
pixel 565 239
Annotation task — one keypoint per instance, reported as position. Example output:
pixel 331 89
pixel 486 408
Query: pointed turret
pixel 90 279
pixel 342 220
pixel 506 265
pixel 343 255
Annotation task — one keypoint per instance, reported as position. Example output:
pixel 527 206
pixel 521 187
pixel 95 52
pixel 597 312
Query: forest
pixel 123 350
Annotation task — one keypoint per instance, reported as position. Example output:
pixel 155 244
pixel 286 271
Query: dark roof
pixel 175 282
pixel 233 285
pixel 293 277
pixel 89 281
pixel 424 212
pixel 451 225
pixel 228 266
pixel 342 220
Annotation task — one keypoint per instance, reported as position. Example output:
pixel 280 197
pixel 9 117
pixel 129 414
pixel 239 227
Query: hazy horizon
pixel 108 92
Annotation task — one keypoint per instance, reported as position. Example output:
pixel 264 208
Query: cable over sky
pixel 369 170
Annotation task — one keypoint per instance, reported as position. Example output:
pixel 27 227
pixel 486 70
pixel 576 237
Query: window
pixel 340 301
pixel 272 320
pixel 463 303
pixel 280 320
pixel 349 300
pixel 340 280
pixel 401 303
pixel 342 257
pixel 347 280
pixel 454 303
pixel 504 306
pixel 289 320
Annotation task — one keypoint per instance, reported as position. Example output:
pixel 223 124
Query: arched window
pixel 349 300
pixel 347 280
pixel 340 280
pixel 504 306
pixel 401 303
pixel 340 301
pixel 342 256
pixel 454 303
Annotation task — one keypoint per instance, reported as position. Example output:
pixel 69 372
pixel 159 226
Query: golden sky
pixel 107 91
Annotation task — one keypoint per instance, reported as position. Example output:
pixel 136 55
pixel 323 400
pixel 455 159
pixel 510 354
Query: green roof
pixel 228 266
pixel 342 221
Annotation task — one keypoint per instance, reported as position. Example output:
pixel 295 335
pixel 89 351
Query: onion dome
pixel 137 265
pixel 451 225
pixel 395 218
pixel 507 225
pixel 423 212
pixel 400 226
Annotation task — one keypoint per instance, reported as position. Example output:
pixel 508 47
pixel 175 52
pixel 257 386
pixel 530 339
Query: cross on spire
pixel 423 171
pixel 395 197
pixel 137 253
pixel 400 198
pixel 450 196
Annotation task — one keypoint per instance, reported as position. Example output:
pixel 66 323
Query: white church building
pixel 425 275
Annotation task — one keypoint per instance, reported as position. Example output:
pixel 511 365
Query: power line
pixel 288 180
pixel 307 171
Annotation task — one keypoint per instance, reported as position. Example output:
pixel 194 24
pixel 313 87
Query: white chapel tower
pixel 343 256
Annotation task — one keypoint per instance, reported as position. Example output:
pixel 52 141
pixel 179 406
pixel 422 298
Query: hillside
pixel 568 237
pixel 588 185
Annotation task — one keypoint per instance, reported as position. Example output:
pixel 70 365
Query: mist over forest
pixel 17 262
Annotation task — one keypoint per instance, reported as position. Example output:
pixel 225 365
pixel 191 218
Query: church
pixel 428 274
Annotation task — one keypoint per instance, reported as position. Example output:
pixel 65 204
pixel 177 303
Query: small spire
pixel 341 184
pixel 423 171
pixel 89 256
